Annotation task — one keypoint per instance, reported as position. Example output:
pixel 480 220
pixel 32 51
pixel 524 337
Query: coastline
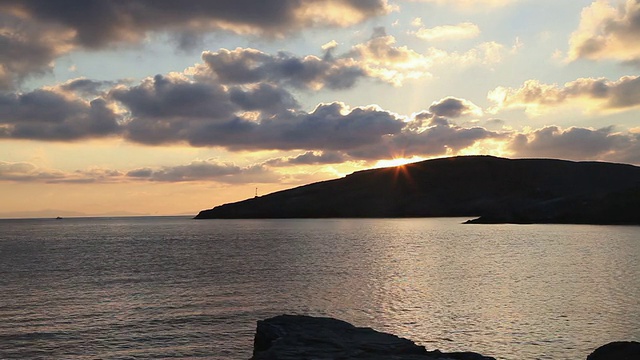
pixel 294 337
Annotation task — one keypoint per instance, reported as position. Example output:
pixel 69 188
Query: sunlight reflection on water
pixel 174 287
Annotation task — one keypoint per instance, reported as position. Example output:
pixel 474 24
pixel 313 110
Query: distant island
pixel 486 188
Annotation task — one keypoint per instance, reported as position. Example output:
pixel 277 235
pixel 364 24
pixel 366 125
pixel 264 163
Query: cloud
pixel 380 58
pixel 436 140
pixel 470 4
pixel 263 97
pixel 175 109
pixel 178 109
pixel 28 48
pixel 85 87
pixel 460 31
pixel 98 23
pixel 27 172
pixel 89 176
pixel 265 117
pixel 195 171
pixel 22 171
pixel 452 107
pixel 495 124
pixel 592 94
pixel 175 97
pixel 605 32
pixel 332 126
pixel 171 109
pixel 441 139
pixel 486 53
pixel 53 115
pixel 36 32
pixel 204 171
pixel 309 158
pixel 578 144
pixel 250 66
pixel 438 136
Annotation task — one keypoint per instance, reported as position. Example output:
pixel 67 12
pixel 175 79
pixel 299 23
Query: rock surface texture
pixel 289 337
pixel 299 337
pixel 619 350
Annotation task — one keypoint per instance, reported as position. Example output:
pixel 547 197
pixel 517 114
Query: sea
pixel 177 288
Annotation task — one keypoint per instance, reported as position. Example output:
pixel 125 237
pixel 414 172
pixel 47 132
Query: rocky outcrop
pixel 297 337
pixel 619 350
pixel 494 189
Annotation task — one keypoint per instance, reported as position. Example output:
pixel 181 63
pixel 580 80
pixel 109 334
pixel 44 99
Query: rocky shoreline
pixel 299 337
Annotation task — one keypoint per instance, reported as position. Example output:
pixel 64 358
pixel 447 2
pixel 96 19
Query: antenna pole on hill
pixel 256 192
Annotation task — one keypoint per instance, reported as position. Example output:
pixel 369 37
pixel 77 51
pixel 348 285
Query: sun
pixel 396 161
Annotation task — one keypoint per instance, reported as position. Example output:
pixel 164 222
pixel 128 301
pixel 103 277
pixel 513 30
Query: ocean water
pixel 172 287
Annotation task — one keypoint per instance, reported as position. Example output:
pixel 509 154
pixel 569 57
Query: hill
pixel 494 189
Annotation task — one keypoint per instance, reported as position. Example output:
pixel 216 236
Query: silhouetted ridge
pixel 495 189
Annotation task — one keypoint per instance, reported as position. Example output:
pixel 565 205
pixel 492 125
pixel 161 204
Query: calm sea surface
pixel 172 287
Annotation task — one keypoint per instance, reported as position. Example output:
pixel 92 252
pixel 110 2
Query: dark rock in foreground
pixel 497 190
pixel 619 350
pixel 297 337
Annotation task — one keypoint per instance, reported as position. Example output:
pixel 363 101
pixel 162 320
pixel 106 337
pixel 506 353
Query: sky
pixel 160 107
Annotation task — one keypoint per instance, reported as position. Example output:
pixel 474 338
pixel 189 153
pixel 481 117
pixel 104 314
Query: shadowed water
pixel 150 288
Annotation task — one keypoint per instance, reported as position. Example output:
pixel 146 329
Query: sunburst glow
pixel 397 161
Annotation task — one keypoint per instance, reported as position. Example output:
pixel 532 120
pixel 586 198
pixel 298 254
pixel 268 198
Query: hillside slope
pixel 494 189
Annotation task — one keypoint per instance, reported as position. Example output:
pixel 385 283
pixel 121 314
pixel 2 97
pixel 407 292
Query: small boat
pixel 58 218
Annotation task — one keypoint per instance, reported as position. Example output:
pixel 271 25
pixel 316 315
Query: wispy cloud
pixel 470 4
pixel 460 31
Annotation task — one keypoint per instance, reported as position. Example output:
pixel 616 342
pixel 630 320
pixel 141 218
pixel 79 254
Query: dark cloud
pixel 573 143
pixel 440 112
pixel 263 97
pixel 86 87
pixel 163 108
pixel 28 48
pixel 98 23
pixel 329 127
pixel 172 109
pixel 625 92
pixel 310 158
pixel 452 107
pixel 36 32
pixel 27 172
pixel 204 170
pixel 172 97
pixel 141 173
pixel 175 109
pixel 313 158
pixel 441 138
pixel 199 170
pixel 49 115
pixel 247 66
